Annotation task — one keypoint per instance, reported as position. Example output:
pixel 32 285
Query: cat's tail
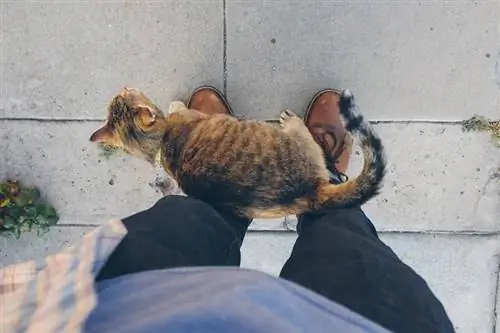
pixel 368 183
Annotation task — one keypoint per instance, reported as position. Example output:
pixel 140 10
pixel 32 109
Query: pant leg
pixel 177 231
pixel 339 255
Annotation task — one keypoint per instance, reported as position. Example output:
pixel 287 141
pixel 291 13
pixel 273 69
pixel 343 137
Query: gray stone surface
pixel 402 59
pixel 30 246
pixel 83 186
pixel 439 178
pixel 66 59
pixel 421 191
pixel 460 270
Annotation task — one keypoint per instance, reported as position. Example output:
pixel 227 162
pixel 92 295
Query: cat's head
pixel 134 124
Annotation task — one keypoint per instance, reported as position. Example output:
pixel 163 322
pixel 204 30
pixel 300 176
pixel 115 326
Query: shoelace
pixel 331 155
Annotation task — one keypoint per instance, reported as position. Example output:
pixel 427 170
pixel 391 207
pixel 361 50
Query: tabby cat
pixel 249 167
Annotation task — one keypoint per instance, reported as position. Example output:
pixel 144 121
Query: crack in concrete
pixel 495 298
pixel 224 47
pixel 497 73
pixel 493 177
pixel 471 233
pixel 373 121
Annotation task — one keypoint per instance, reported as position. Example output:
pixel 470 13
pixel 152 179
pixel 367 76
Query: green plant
pixel 106 150
pixel 483 124
pixel 21 210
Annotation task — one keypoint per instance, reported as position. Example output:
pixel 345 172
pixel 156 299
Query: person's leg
pixel 179 231
pixel 338 253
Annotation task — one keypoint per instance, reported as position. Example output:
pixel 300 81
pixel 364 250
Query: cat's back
pixel 247 161
pixel 228 141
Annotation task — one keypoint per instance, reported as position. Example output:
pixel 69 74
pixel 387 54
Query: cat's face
pixel 134 123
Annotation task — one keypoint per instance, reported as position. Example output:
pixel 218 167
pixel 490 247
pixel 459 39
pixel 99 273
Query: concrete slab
pixel 66 59
pixel 30 246
pixel 421 192
pixel 460 270
pixel 83 186
pixel 439 178
pixel 403 60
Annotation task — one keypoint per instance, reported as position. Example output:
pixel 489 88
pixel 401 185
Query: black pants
pixel 337 254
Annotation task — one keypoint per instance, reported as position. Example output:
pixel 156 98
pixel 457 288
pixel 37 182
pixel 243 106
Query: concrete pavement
pixel 417 68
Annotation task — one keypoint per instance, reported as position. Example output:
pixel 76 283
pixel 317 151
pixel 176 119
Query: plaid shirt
pixel 56 294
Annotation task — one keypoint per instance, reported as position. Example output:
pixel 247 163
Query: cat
pixel 248 167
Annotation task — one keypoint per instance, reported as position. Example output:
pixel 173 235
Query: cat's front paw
pixel 176 106
pixel 288 116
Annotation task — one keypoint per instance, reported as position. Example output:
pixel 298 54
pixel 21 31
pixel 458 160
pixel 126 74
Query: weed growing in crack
pixel 483 124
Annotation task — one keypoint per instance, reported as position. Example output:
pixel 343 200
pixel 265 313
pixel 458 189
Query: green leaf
pixel 34 194
pixel 31 211
pixel 26 221
pixel 47 220
pixel 17 233
pixel 7 233
pixel 42 231
pixel 53 219
pixel 46 210
pixel 42 220
pixel 22 199
pixel 9 222
pixel 15 212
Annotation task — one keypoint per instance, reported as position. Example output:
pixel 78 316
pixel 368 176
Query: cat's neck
pixel 150 143
pixel 152 152
pixel 150 148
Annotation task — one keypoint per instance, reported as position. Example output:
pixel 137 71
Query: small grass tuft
pixel 107 151
pixel 483 124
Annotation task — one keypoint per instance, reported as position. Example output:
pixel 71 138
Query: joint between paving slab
pixel 372 121
pixel 287 229
pixel 224 47
pixel 495 300
pixel 55 119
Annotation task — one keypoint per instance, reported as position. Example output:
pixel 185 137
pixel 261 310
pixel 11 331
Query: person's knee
pixel 180 202
pixel 173 210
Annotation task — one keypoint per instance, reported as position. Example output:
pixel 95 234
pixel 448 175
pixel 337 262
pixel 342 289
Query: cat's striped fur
pixel 249 167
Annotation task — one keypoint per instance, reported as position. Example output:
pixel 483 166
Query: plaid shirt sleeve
pixel 56 294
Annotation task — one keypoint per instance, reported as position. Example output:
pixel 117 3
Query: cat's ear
pixel 147 115
pixel 103 135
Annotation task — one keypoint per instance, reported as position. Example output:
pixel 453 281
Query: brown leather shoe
pixel 210 101
pixel 324 122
